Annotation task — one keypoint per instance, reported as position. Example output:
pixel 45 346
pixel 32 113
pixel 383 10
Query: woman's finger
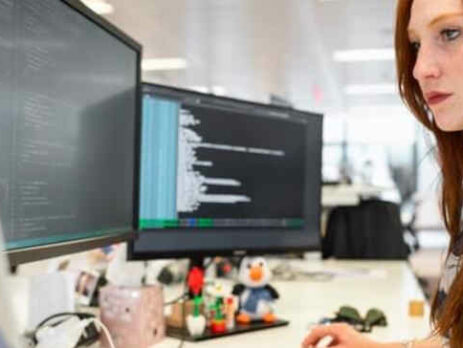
pixel 318 332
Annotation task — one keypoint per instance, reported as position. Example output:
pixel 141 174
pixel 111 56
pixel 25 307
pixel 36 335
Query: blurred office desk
pixel 348 195
pixel 387 285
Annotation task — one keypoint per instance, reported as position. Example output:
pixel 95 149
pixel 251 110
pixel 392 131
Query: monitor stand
pixel 183 334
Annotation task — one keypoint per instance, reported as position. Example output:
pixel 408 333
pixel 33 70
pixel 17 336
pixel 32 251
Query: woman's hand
pixel 343 336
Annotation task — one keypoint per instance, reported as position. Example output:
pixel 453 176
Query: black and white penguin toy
pixel 256 295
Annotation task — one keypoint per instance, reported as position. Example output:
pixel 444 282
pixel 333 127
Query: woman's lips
pixel 435 98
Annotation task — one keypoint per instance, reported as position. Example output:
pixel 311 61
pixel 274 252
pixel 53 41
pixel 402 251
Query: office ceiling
pixel 253 48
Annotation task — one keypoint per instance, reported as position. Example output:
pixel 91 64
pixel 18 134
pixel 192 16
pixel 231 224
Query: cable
pixel 178 299
pixel 106 331
pixel 54 320
pixel 80 315
pixel 86 319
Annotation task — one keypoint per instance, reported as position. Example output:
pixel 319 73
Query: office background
pixel 329 56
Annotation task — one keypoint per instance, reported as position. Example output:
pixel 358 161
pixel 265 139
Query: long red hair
pixel 447 319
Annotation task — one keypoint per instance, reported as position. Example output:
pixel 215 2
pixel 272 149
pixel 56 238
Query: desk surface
pixel 385 285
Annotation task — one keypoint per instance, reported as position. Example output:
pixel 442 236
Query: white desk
pixel 386 285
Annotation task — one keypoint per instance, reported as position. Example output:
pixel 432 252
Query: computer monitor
pixel 221 176
pixel 70 102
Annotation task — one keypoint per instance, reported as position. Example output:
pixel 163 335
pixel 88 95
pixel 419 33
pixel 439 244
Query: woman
pixel 429 52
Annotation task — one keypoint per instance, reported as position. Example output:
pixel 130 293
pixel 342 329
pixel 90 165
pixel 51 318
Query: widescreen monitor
pixel 221 176
pixel 69 111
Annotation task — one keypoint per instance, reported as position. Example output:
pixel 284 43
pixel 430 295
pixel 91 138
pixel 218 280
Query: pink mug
pixel 134 316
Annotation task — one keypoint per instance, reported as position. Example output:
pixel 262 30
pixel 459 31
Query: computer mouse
pixel 324 342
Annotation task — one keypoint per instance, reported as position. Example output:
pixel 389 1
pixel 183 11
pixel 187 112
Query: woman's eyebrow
pixel 436 20
pixel 443 17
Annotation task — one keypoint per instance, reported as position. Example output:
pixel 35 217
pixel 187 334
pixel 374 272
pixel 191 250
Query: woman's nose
pixel 426 65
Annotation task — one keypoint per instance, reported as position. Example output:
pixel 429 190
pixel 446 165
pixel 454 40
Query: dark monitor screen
pixel 224 176
pixel 69 100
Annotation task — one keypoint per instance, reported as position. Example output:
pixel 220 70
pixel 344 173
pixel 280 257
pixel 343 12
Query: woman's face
pixel 435 32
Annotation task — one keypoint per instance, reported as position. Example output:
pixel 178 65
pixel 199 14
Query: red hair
pixel 448 318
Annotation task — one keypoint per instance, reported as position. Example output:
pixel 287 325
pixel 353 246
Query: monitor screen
pixel 223 176
pixel 69 100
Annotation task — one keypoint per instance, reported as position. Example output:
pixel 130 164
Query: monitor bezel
pixel 151 255
pixel 30 254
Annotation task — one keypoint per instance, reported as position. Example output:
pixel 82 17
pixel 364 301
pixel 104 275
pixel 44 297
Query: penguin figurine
pixel 255 295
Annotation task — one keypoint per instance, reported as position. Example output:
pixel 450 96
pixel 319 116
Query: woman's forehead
pixel 425 13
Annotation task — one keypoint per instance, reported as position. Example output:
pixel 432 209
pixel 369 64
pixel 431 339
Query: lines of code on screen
pixel 67 108
pixel 205 166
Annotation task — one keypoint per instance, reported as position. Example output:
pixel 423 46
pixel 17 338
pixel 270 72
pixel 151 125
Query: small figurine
pixel 218 324
pixel 196 322
pixel 256 296
pixel 217 318
pixel 230 313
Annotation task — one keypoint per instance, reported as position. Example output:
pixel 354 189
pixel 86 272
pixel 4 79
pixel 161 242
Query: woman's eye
pixel 450 34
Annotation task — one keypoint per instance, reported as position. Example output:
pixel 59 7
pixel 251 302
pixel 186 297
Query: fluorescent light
pixel 376 89
pixel 99 6
pixel 163 64
pixel 364 55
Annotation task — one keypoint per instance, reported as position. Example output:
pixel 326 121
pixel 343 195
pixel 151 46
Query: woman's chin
pixel 449 123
